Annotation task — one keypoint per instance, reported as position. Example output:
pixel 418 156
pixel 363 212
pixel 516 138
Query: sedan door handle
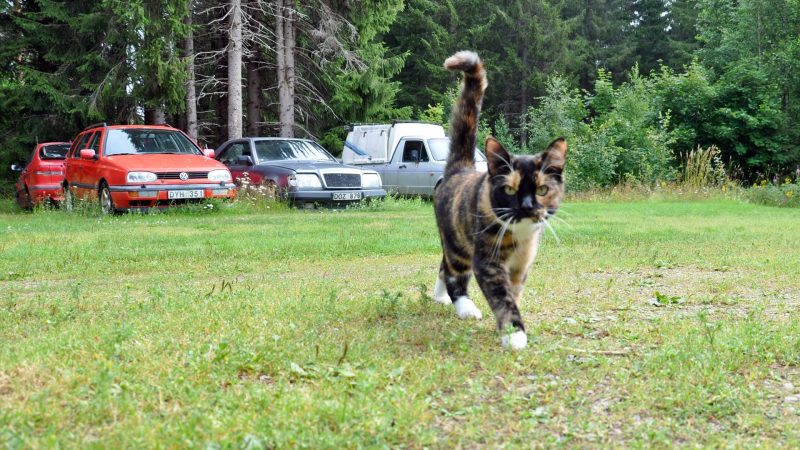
pixel 403 166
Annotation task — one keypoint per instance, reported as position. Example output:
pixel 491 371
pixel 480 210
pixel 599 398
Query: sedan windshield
pixel 440 148
pixel 55 151
pixel 279 149
pixel 144 141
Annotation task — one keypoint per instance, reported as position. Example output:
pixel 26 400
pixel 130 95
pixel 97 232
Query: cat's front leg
pixel 451 286
pixel 496 285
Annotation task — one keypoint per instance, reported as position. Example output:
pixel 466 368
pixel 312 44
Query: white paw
pixel 440 292
pixel 516 340
pixel 466 309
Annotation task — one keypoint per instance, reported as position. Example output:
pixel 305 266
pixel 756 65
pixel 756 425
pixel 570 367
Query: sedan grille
pixel 177 175
pixel 343 180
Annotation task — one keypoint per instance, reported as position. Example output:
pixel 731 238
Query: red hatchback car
pixel 140 167
pixel 40 180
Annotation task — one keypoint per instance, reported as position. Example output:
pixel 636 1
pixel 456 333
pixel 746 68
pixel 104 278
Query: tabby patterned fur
pixel 490 223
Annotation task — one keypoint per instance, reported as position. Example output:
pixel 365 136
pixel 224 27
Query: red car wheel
pixel 106 202
pixel 69 202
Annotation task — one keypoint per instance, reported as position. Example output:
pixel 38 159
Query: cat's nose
pixel 527 204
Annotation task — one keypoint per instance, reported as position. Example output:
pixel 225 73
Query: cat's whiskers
pixel 546 166
pixel 498 243
pixel 562 211
pixel 559 219
pixel 553 231
pixel 508 163
pixel 498 218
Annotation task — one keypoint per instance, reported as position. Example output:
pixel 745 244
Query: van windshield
pixel 143 141
pixel 440 148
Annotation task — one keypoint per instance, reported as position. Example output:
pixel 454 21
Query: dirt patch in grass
pixel 20 383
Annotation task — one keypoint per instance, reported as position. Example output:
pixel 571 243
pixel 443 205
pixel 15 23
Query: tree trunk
pixel 253 96
pixel 154 116
pixel 235 71
pixel 285 43
pixel 523 98
pixel 191 98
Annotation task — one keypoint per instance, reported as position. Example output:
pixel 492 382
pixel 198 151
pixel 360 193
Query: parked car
pixel 300 170
pixel 142 166
pixel 40 180
pixel 409 156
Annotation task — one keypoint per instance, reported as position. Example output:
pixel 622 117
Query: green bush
pixel 764 193
pixel 616 135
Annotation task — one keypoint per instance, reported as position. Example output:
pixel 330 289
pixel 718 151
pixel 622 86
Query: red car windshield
pixel 136 141
pixel 55 151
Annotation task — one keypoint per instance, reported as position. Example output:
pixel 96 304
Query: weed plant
pixel 786 194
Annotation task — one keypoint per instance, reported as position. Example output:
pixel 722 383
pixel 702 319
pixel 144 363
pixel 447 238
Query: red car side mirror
pixel 209 153
pixel 88 153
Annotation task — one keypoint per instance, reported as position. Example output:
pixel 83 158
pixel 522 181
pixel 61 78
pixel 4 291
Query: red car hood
pixel 165 163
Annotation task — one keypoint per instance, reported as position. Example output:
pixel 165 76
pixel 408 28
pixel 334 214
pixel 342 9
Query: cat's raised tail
pixel 464 120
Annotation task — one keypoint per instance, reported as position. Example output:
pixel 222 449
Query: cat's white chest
pixel 526 231
pixel 526 234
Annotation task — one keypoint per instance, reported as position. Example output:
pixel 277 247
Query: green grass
pixel 255 327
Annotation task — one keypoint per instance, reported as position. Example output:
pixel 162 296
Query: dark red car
pixel 40 180
pixel 300 170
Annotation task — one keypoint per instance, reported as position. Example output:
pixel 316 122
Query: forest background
pixel 633 85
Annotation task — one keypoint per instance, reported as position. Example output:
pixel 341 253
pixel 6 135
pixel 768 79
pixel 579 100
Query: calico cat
pixel 490 223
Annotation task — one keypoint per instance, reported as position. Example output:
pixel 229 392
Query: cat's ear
pixel 497 157
pixel 555 155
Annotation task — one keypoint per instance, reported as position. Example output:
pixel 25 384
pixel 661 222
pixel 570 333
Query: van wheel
pixel 69 201
pixel 106 202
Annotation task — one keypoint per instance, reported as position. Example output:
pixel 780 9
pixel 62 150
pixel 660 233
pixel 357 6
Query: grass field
pixel 653 323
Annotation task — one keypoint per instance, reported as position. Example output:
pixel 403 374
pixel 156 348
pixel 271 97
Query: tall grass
pixel 702 167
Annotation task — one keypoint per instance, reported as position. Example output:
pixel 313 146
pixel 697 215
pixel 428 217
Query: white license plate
pixel 194 193
pixel 347 195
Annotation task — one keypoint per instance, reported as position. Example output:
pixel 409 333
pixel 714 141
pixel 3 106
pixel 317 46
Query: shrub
pixel 624 138
pixel 764 193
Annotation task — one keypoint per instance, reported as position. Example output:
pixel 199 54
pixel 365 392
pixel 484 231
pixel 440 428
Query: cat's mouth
pixel 535 216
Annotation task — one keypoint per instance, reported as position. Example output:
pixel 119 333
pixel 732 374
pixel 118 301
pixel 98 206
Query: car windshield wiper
pixel 120 154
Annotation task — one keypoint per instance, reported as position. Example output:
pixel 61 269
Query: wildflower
pixel 787 180
pixel 789 194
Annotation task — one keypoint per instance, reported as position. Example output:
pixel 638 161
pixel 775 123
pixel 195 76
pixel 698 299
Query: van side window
pixel 412 149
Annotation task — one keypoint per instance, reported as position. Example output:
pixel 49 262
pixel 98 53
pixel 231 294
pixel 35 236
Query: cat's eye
pixel 542 190
pixel 510 190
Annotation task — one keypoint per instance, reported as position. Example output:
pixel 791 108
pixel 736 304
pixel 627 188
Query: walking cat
pixel 490 223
